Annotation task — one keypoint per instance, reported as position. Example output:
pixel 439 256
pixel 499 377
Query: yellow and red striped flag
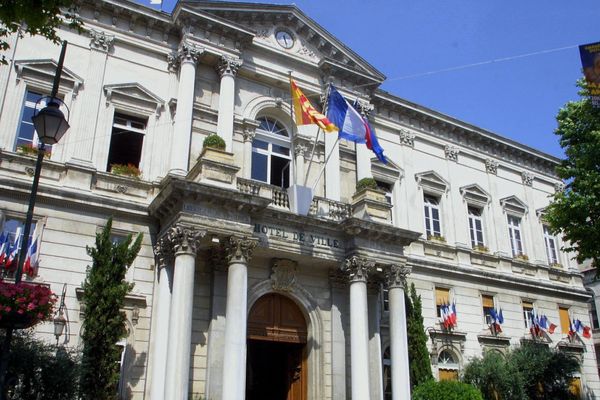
pixel 305 113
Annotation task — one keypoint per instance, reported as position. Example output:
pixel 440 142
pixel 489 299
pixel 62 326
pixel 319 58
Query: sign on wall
pixel 590 60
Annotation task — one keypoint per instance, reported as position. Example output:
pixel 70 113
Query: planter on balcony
pixel 371 204
pixel 215 166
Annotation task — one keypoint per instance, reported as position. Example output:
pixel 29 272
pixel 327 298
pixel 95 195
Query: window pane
pixel 281 150
pixel 280 172
pixel 32 97
pixel 259 144
pixel 259 166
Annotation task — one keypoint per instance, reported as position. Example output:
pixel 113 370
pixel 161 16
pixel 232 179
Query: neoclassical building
pixel 237 295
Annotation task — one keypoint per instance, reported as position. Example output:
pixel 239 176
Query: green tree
pixel 446 390
pixel 495 378
pixel 36 17
pixel 418 355
pixel 104 292
pixel 575 212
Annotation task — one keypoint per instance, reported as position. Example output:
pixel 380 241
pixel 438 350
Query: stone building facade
pixel 235 295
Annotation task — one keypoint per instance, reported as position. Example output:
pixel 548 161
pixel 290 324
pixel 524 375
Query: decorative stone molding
pixel 163 251
pixel 357 268
pixel 475 195
pixel 238 249
pixel 527 178
pixel 187 52
pixel 101 41
pixel 184 238
pixel 364 107
pixel 172 62
pixel 513 205
pixel 432 182
pixel 395 275
pixel 228 66
pixel 249 129
pixel 283 276
pixel 40 73
pixel 451 152
pixel 134 96
pixel 300 149
pixel 491 166
pixel 407 138
pixel 559 187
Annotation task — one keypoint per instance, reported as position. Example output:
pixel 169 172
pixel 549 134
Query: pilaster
pixel 227 68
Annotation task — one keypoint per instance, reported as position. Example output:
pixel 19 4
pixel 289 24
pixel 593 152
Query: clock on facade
pixel 285 39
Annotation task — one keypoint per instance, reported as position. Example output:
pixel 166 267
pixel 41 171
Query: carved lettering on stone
pixel 358 268
pixel 395 275
pixel 185 238
pixel 451 152
pixel 101 41
pixel 491 166
pixel 527 178
pixel 239 249
pixel 228 66
pixel 283 276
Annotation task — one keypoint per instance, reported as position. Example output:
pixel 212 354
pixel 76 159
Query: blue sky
pixel 505 66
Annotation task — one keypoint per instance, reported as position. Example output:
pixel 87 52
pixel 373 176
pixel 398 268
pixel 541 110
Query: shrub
pixel 418 355
pixel 214 141
pixel 446 390
pixel 495 378
pixel 366 183
pixel 25 301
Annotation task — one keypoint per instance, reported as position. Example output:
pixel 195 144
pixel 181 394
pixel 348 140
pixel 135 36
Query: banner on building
pixel 590 60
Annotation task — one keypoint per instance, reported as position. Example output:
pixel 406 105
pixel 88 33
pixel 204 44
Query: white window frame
pixel 551 246
pixel 34 106
pixel 473 220
pixel 517 245
pixel 428 209
pixel 271 138
pixel 527 314
pixel 128 126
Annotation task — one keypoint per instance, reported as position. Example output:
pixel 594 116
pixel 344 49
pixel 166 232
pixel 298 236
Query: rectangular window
pixel 565 319
pixel 594 316
pixel 126 141
pixel 432 216
pixel 442 296
pixel 527 313
pixel 550 242
pixel 15 228
pixel 26 135
pixel 388 189
pixel 514 233
pixel 476 227
pixel 487 302
pixel 385 299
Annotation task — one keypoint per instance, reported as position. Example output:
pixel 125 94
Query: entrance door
pixel 277 334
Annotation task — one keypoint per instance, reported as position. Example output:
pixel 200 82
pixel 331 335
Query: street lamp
pixel 50 124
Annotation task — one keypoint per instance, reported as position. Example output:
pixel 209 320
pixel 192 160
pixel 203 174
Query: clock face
pixel 284 39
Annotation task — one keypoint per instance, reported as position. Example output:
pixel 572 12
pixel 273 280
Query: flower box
pixel 126 170
pixel 30 150
pixel 23 305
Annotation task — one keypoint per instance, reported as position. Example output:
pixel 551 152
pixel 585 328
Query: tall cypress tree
pixel 418 355
pixel 104 292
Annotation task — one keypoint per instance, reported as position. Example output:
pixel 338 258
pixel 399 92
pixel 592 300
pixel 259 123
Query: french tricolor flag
pixel 14 250
pixel 31 260
pixel 4 246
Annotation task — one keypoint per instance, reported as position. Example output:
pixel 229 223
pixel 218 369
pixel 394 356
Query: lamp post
pixel 50 125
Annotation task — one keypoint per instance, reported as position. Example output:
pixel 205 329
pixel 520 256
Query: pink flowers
pixel 26 300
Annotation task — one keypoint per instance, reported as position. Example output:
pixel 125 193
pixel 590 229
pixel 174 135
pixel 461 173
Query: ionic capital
pixel 228 66
pixel 185 239
pixel 358 268
pixel 395 275
pixel 239 250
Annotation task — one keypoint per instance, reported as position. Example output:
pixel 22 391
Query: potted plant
pixel 126 170
pixel 23 305
pixel 481 248
pixel 214 141
pixel 31 150
pixel 522 257
pixel 366 183
pixel 215 163
pixel 437 238
pixel 370 202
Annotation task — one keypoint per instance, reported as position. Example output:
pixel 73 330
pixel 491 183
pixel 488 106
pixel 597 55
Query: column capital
pixel 300 149
pixel 184 238
pixel 163 251
pixel 101 41
pixel 228 66
pixel 239 249
pixel 249 129
pixel 358 268
pixel 186 53
pixel 395 275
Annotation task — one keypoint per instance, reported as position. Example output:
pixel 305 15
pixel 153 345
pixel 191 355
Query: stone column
pixel 375 355
pixel 357 269
pixel 163 251
pixel 187 55
pixel 396 282
pixel 239 251
pixel 299 151
pixel 249 134
pixel 185 241
pixel 227 69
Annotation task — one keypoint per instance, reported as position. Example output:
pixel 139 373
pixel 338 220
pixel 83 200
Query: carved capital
pixel 228 66
pixel 491 166
pixel 364 107
pixel 101 41
pixel 249 129
pixel 189 52
pixel 395 275
pixel 185 239
pixel 451 152
pixel 283 277
pixel 527 178
pixel 300 149
pixel 163 251
pixel 239 249
pixel 407 138
pixel 358 268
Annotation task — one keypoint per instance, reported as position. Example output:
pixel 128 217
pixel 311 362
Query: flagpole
pixel 325 164
pixel 312 154
pixel 293 138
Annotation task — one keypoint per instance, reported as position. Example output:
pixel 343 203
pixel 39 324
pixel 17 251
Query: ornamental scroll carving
pixel 407 138
pixel 183 238
pixel 239 249
pixel 101 41
pixel 395 275
pixel 228 66
pixel 358 268
pixel 451 152
pixel 283 277
pixel 187 52
pixel 163 251
pixel 527 178
pixel 491 166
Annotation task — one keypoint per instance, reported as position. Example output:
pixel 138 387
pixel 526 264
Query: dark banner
pixel 590 60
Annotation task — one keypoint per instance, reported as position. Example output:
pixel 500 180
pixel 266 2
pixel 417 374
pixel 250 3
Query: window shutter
pixel 487 301
pixel 442 296
pixel 564 319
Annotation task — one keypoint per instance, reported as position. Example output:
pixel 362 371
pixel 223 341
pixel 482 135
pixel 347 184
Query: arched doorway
pixel 277 335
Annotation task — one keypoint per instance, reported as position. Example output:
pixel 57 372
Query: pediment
pixel 474 194
pixel 312 42
pixel 133 95
pixel 431 181
pixel 387 172
pixel 41 73
pixel 513 205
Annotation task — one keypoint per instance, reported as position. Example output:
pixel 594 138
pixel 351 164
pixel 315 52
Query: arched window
pixel 387 374
pixel 271 159
pixel 447 366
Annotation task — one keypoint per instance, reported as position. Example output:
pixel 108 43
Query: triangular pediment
pixel 133 95
pixel 512 204
pixel 41 72
pixel 389 172
pixel 475 194
pixel 311 42
pixel 432 182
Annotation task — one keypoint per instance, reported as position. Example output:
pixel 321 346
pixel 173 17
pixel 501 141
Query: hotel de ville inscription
pixel 301 237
